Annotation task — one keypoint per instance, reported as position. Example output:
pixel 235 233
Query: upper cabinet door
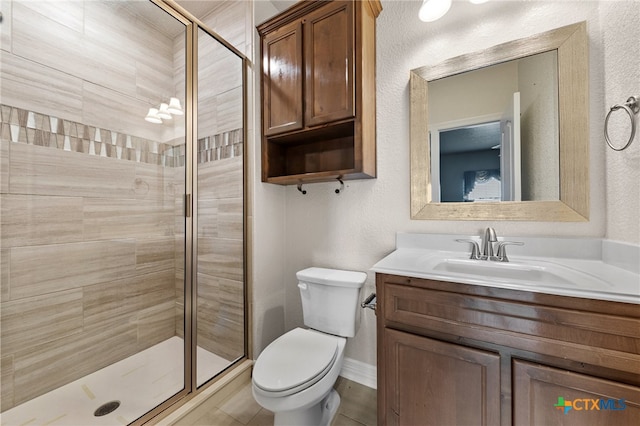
pixel 282 80
pixel 329 63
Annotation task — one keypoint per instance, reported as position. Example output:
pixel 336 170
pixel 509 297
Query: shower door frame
pixel 192 24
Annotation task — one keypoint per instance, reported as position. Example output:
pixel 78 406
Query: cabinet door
pixel 550 396
pixel 430 382
pixel 329 63
pixel 282 80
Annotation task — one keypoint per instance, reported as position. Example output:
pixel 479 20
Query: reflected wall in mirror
pixel 507 121
pixel 502 134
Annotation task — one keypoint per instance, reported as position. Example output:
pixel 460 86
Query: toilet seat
pixel 295 361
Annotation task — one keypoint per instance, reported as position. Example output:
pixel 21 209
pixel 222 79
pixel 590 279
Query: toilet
pixel 294 376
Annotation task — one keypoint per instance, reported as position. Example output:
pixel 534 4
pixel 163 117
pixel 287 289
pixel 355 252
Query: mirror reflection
pixel 494 132
pixel 552 133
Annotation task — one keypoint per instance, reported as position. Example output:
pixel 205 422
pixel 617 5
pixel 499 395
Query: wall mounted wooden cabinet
pixel 318 92
pixel 282 79
pixel 454 354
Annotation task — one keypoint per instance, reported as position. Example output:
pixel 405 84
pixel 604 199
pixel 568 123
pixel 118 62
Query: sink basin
pixel 536 272
pixel 573 267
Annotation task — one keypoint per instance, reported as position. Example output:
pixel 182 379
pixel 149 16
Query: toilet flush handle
pixel 370 302
pixel 302 286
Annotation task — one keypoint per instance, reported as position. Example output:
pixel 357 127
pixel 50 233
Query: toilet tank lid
pixel 333 277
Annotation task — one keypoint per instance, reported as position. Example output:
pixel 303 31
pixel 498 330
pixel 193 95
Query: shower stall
pixel 122 191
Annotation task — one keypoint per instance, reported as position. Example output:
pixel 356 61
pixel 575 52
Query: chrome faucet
pixel 487 245
pixel 488 252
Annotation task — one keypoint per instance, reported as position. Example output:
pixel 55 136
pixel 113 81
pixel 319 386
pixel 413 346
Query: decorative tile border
pixel 220 146
pixel 32 128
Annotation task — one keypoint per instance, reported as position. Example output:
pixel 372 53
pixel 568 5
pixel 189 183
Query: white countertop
pixel 575 267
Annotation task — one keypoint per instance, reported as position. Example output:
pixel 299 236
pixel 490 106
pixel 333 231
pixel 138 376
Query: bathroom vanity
pixel 454 349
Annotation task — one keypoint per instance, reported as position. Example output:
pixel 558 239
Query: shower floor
pixel 140 383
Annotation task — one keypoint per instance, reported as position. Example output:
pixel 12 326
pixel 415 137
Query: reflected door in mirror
pixel 508 120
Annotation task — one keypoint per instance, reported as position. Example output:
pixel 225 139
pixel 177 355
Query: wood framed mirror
pixel 571 202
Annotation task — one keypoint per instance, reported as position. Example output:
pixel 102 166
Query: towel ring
pixel 632 107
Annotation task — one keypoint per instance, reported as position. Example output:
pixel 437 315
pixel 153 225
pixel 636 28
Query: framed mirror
pixel 517 151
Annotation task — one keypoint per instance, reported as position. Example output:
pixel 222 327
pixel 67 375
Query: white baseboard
pixel 360 372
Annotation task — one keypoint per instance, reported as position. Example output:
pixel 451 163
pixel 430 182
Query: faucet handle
pixel 501 255
pixel 475 248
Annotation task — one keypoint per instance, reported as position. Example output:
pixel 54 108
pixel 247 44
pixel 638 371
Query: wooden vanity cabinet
pixel 457 354
pixel 431 382
pixel 318 92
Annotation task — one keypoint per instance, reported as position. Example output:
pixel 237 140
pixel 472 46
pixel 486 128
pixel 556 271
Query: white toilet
pixel 294 376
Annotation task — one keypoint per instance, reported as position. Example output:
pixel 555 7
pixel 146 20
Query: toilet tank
pixel 330 299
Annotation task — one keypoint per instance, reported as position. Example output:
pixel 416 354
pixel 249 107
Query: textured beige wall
pixel 483 92
pixel 620 38
pixel 268 222
pixel 539 127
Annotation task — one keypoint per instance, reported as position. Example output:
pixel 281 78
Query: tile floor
pixel 357 408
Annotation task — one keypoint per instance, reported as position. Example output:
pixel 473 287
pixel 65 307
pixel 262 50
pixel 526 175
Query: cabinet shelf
pixel 315 156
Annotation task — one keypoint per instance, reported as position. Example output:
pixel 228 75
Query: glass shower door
pixel 220 289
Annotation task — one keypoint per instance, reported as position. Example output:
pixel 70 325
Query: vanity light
pixel 174 107
pixel 153 117
pixel 432 10
pixel 478 1
pixel 163 112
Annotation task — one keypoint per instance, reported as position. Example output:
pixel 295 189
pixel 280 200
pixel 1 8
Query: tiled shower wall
pixel 220 253
pixel 220 311
pixel 91 240
pixel 88 260
pixel 98 242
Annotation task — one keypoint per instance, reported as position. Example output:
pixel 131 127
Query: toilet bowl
pixel 294 376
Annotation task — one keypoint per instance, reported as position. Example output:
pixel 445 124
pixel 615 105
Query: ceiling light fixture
pixel 174 107
pixel 432 10
pixel 152 116
pixel 163 112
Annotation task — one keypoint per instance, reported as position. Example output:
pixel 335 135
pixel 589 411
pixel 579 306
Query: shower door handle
pixel 187 205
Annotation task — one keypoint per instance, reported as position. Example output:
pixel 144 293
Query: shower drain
pixel 106 408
